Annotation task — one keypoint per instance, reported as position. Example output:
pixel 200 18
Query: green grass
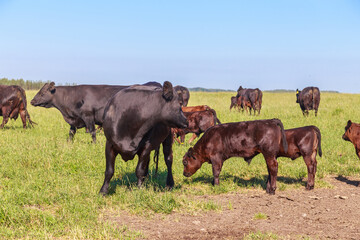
pixel 260 216
pixel 49 186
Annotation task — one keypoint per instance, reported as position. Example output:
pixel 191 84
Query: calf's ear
pixel 168 91
pixel 349 123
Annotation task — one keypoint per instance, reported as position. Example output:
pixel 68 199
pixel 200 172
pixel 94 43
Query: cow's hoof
pixel 309 188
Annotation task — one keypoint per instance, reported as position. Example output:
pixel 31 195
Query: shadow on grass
pixel 347 181
pixel 258 181
pixel 129 179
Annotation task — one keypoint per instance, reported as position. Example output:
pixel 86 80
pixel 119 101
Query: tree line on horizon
pixel 26 84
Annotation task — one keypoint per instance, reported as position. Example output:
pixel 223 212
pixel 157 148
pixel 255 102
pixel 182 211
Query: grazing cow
pixel 352 134
pixel 81 105
pixel 309 99
pixel 184 95
pixel 12 103
pixel 305 142
pixel 254 96
pixel 136 121
pixel 240 139
pixel 198 122
pixel 234 103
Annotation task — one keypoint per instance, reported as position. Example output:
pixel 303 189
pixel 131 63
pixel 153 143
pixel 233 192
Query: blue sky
pixel 212 44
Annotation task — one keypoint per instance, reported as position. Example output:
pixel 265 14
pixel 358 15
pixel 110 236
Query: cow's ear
pixel 168 93
pixel 297 91
pixel 52 88
pixel 349 123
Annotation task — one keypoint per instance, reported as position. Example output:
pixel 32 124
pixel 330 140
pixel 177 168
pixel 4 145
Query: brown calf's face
pixel 348 129
pixel 44 97
pixel 191 164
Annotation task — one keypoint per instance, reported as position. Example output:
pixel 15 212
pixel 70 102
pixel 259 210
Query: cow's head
pixel 171 112
pixel 348 131
pixel 297 95
pixel 45 96
pixel 192 162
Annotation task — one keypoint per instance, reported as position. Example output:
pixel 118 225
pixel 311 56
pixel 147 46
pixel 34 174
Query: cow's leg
pixel 6 114
pixel 142 167
pixel 311 164
pixel 316 112
pixel 182 137
pixel 110 155
pixel 272 166
pixel 168 157
pixel 90 126
pixel 216 168
pixel 357 149
pixel 72 132
pixel 23 117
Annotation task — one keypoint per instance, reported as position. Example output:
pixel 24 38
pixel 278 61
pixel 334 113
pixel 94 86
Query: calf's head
pixel 348 131
pixel 171 111
pixel 45 96
pixel 191 162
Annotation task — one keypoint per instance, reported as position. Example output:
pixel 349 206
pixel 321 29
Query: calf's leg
pixel 110 155
pixel 216 168
pixel 272 166
pixel 311 164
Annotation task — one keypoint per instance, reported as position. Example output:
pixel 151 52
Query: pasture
pixel 49 186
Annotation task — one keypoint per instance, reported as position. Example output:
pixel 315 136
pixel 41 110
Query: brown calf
pixel 352 134
pixel 198 121
pixel 196 108
pixel 240 139
pixel 305 142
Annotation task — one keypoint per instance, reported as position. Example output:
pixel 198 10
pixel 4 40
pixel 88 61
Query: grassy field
pixel 49 186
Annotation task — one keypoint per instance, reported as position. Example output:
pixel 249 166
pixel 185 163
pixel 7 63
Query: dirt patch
pixel 292 214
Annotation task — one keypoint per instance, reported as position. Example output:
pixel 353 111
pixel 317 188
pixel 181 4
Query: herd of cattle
pixel 137 119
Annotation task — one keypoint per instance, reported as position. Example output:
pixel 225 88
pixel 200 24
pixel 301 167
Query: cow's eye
pixel 185 162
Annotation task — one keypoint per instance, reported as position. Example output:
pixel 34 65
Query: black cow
pixel 184 95
pixel 12 103
pixel 309 99
pixel 254 96
pixel 136 121
pixel 81 105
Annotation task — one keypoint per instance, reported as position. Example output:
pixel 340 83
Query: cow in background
pixel 136 121
pixel 253 96
pixel 234 103
pixel 12 103
pixel 184 95
pixel 308 99
pixel 352 134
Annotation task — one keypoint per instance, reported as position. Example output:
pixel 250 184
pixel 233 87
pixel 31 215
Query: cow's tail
pixel 216 120
pixel 318 134
pixel 260 100
pixel 283 137
pixel 27 115
pixel 156 159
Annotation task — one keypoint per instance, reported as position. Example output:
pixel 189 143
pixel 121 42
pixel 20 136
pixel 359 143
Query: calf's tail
pixel 216 120
pixel 318 134
pixel 283 137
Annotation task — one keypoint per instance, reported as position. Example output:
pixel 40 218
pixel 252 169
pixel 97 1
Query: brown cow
pixel 234 103
pixel 305 142
pixel 12 103
pixel 352 134
pixel 198 121
pixel 239 139
pixel 308 99
pixel 254 96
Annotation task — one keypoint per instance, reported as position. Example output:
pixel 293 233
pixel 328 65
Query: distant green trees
pixel 26 84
